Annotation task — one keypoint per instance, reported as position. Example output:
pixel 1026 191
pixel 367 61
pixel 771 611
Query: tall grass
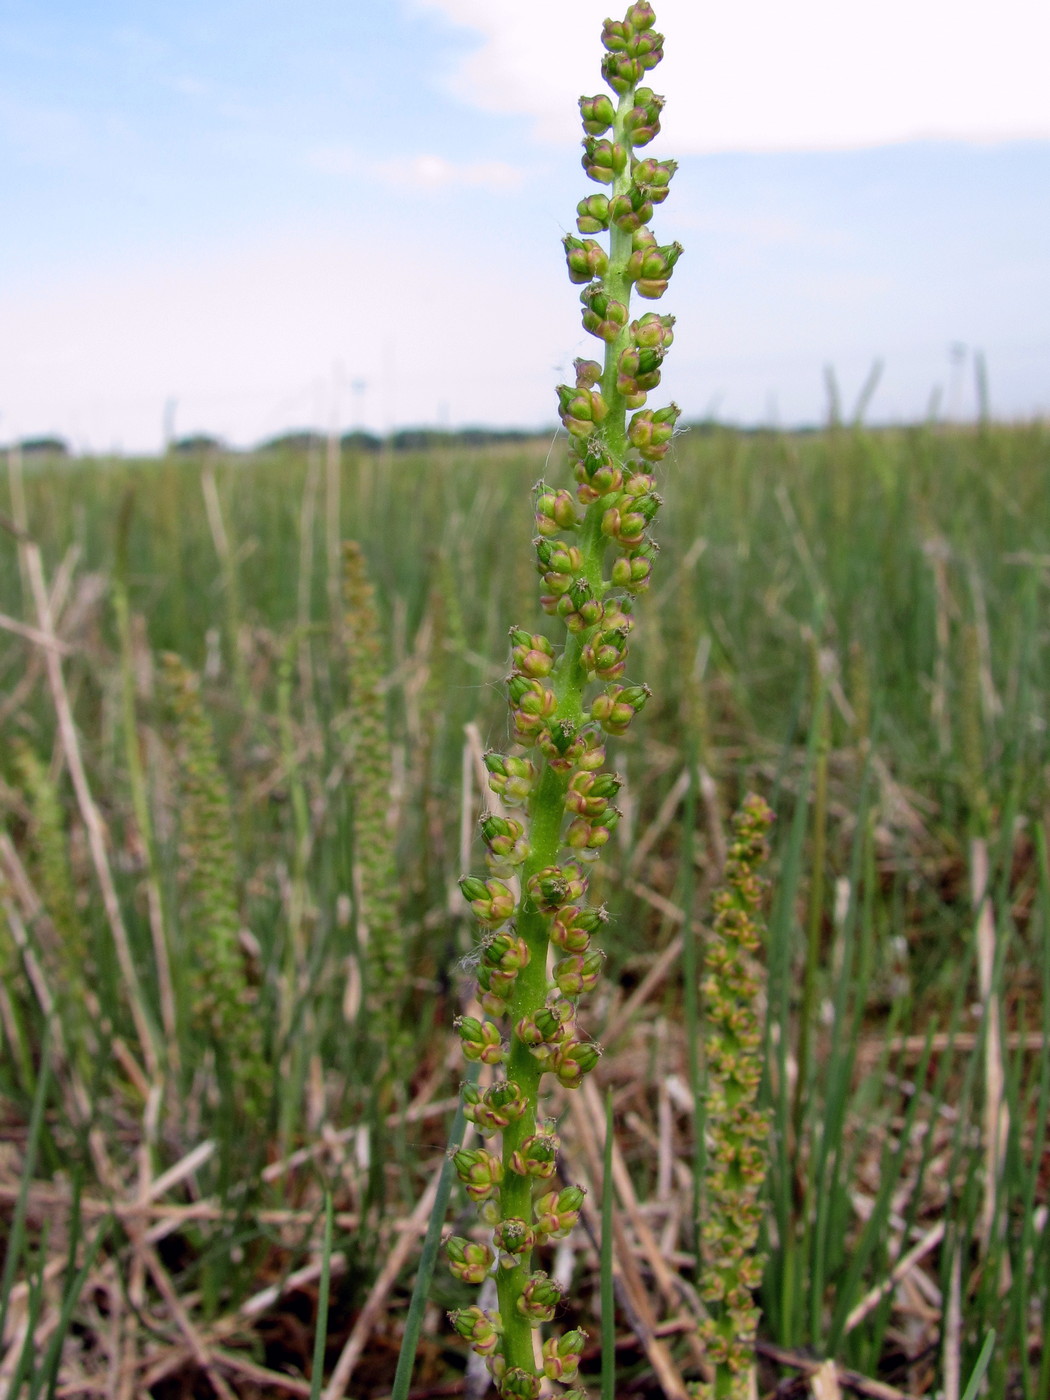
pixel 857 615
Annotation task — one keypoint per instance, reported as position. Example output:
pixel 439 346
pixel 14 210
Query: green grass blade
pixel 973 1385
pixel 321 1332
pixel 428 1256
pixel 608 1300
pixel 16 1234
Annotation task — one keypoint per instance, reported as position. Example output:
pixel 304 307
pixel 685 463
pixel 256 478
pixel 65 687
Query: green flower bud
pixel 480 1172
pixel 653 332
pixel 537 1156
pixel 558 1211
pixel 506 952
pixel 592 214
pixel 500 1105
pixel 598 114
pixel 468 1260
pixel 572 927
pixel 539 1298
pixel 642 122
pixel 514 1236
pixel 555 1021
pixel 555 886
pixel 633 571
pixel 481 1329
pixel 604 160
pixel 573 1062
pixel 638 370
pixel 585 258
pixel 511 778
pixel 506 840
pixel 492 901
pixel 578 973
pixel 517 1384
pixel 650 433
pixel 481 1039
pixel 616 707
pixel 581 409
pixel 561 1356
pixel 650 267
pixel 653 177
pixel 556 510
pixel 631 210
pixel 603 316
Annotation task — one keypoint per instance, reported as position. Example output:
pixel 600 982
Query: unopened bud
pixel 586 259
pixel 592 214
pixel 598 114
pixel 469 1260
pixel 558 1211
pixel 513 1236
pixel 480 1172
pixel 537 1156
pixel 481 1329
pixel 539 1298
pixel 578 973
pixel 561 1355
pixel 481 1039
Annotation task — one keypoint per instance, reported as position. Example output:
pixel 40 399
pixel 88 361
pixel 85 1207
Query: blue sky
pixel 353 213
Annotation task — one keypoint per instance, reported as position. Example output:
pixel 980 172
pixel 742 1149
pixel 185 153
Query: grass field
pixel 237 793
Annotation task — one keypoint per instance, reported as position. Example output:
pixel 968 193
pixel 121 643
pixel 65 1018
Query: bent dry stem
pixel 565 699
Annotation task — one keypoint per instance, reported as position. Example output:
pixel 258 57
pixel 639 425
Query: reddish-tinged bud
pixel 586 259
pixel 603 160
pixel 558 1211
pixel 492 901
pixel 653 178
pixel 650 432
pixel 506 952
pixel 642 122
pixel 641 16
pixel 650 267
pixel 572 1063
pixel 539 1298
pixel 653 331
pixel 468 1260
pixel 513 1236
pixel 603 315
pixel 500 1105
pixel 512 778
pixel 556 510
pixel 537 1156
pixel 631 210
pixel 481 1039
pixel 581 409
pixel 555 886
pixel 632 572
pixel 481 1329
pixel 517 1384
pixel 592 214
pixel 598 114
pixel 578 973
pixel 572 927
pixel 561 1356
pixel 480 1172
pixel 506 840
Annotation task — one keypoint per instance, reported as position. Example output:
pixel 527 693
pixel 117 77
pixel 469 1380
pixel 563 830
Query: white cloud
pixel 246 340
pixel 767 76
pixel 424 171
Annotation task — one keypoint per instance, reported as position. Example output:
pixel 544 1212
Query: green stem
pixel 547 811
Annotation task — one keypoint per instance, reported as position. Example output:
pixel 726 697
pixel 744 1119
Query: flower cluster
pixel 567 697
pixel 736 1129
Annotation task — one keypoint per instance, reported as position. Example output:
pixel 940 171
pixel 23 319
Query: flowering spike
pixel 593 551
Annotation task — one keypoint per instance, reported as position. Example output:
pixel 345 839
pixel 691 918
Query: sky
pixel 243 218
